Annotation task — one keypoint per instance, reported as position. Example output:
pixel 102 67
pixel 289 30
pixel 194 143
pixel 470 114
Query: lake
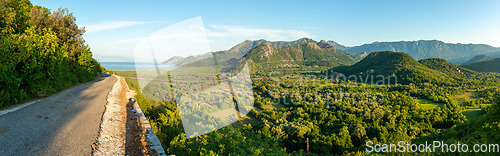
pixel 133 65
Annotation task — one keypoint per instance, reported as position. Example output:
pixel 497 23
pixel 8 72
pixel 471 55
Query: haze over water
pixel 132 66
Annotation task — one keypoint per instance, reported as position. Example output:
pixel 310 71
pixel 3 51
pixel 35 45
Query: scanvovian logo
pixel 208 98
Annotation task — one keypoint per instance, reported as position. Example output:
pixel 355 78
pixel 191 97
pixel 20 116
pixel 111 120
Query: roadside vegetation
pixel 41 52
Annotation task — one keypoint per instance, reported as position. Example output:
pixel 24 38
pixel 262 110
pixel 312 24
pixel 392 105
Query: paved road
pixel 63 124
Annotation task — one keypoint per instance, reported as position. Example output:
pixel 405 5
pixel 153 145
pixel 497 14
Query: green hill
pixel 478 58
pixel 310 54
pixel 387 63
pixel 449 69
pixel 485 66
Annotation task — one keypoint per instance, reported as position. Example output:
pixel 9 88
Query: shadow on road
pixel 65 123
pixel 134 133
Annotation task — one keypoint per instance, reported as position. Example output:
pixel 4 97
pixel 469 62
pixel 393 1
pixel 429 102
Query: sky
pixel 114 28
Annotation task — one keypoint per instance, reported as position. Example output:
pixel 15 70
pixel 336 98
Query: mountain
pixel 173 60
pixel 478 58
pixel 310 54
pixel 447 68
pixel 337 45
pixel 427 49
pixel 239 50
pixel 235 52
pixel 495 54
pixel 485 66
pixel 388 63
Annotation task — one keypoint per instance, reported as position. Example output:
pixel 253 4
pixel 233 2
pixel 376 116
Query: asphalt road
pixel 66 123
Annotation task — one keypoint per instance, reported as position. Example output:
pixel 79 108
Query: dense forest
pixel 41 52
pixel 432 99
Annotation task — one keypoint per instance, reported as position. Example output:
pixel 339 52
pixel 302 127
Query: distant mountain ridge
pixel 244 47
pixel 241 49
pixel 423 49
pixel 310 54
pixel 337 45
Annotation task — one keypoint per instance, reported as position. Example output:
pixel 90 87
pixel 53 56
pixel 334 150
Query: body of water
pixel 136 66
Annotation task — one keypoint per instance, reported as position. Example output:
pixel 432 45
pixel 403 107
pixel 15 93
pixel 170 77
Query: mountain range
pixel 235 52
pixel 310 54
pixel 304 51
pixel 422 49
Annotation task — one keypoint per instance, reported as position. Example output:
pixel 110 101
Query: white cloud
pixel 230 32
pixel 257 33
pixel 181 39
pixel 130 40
pixel 111 25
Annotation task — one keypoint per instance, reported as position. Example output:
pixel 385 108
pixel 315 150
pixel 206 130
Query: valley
pixel 296 98
pixel 256 77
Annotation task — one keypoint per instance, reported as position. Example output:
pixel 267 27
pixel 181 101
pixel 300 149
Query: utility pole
pixel 307 146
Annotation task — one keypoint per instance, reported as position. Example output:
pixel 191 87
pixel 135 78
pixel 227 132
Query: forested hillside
pixel 478 58
pixel 400 64
pixel 454 71
pixel 41 52
pixel 485 66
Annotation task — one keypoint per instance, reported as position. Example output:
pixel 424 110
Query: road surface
pixel 66 123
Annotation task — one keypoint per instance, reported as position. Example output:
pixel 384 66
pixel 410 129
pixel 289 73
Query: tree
pixel 40 53
pixel 13 16
pixel 359 131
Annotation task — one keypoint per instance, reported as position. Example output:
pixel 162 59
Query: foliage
pixel 228 141
pixel 38 58
pixel 480 131
pixel 449 69
pixel 478 58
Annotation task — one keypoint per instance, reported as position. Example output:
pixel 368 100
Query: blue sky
pixel 112 26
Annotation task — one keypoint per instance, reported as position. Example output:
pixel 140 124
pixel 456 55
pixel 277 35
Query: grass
pixel 472 113
pixel 249 119
pixel 427 105
pixel 464 95
pixel 272 107
pixel 128 73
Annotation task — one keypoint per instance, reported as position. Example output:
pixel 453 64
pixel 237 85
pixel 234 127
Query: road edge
pixel 111 134
pixel 152 141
